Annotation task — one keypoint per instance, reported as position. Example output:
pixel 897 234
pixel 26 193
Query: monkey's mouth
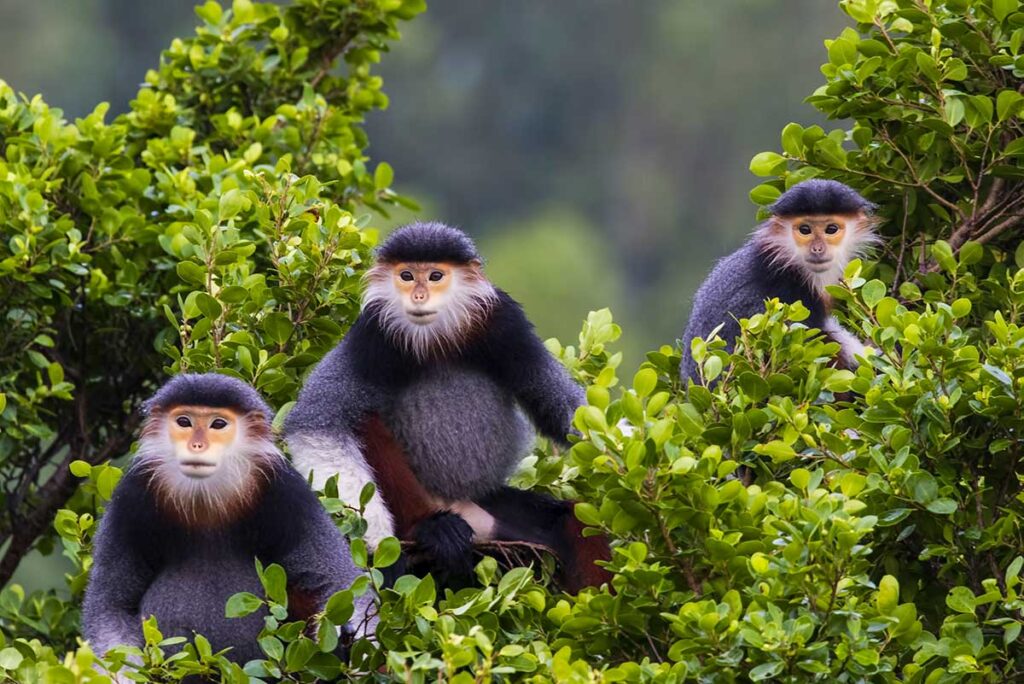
pixel 421 316
pixel 196 468
pixel 819 265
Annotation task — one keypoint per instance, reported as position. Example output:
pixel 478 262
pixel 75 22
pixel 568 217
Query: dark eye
pixel 832 229
pixel 436 276
pixel 805 229
pixel 183 421
pixel 219 424
pixel 406 276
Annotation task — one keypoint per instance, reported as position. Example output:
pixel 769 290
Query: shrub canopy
pixel 212 227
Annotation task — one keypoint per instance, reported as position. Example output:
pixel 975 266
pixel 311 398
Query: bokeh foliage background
pixel 609 133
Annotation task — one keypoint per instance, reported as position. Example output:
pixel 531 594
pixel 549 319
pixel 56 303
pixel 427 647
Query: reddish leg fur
pixel 405 497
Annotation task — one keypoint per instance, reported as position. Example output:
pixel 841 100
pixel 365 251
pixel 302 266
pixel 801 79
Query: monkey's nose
pixel 197 446
pixel 419 296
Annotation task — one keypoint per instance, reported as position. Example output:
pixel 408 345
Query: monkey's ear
pixel 476 264
pixel 257 422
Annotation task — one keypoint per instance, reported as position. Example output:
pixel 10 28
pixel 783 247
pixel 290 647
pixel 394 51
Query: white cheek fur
pixel 467 301
pixel 224 489
pixel 783 251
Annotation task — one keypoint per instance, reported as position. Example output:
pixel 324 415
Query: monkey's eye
pixel 832 229
pixel 183 421
pixel 805 229
pixel 406 276
pixel 219 424
pixel 436 276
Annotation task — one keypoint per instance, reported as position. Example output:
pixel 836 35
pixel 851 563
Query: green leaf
pixel 107 481
pixel 275 583
pixel 242 604
pixel 340 607
pixel 764 194
pixel 80 468
pixel 928 67
pixel 298 653
pixel 872 292
pixel 383 176
pixel 210 12
pixel 10 658
pixel 644 382
pixel 1007 104
pixel 231 202
pixel 923 487
pixel 278 326
pixel 793 140
pixel 1003 8
pixel 191 272
pixel 767 164
pixel 961 599
pixel 778 451
pixel 209 306
pixel 387 552
pixel 942 506
pixel 766 671
pixel 888 595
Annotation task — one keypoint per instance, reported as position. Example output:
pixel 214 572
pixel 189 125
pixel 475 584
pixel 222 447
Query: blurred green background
pixel 597 149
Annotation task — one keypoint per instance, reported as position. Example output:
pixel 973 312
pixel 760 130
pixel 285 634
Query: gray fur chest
pixel 463 433
pixel 190 596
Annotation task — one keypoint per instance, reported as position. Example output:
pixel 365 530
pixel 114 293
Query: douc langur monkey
pixel 207 494
pixel 815 229
pixel 426 395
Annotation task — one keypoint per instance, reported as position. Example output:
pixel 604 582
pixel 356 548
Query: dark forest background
pixel 539 126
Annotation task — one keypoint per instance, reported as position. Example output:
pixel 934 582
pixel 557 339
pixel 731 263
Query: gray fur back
pixel 467 433
pixel 728 292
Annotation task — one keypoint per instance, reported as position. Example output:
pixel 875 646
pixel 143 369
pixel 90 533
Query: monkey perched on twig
pixel 207 494
pixel 430 396
pixel 816 228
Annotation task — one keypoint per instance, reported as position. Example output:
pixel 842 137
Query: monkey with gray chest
pixel 207 494
pixel 817 227
pixel 431 396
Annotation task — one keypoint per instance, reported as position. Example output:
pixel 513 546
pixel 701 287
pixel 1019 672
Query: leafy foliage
pixel 880 539
pixel 215 221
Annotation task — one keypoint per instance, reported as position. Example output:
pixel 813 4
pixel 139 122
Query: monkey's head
pixel 206 440
pixel 428 289
pixel 816 228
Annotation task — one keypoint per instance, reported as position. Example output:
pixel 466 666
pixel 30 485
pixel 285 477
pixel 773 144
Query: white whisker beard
pixel 469 300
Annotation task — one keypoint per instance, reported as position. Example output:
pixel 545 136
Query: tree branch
pixel 52 495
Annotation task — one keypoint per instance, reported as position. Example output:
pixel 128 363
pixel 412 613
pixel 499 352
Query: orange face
pixel 424 288
pixel 820 239
pixel 201 435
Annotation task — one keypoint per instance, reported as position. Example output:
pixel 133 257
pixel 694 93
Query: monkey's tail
pixel 444 548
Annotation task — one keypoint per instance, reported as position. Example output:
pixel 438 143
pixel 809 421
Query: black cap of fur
pixel 817 197
pixel 428 241
pixel 208 389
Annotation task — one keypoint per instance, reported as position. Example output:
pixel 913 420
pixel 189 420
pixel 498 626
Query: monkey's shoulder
pixel 740 282
pixel 277 519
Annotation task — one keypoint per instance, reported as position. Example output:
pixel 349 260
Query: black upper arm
pixel 517 358
pixel 293 529
pixel 123 563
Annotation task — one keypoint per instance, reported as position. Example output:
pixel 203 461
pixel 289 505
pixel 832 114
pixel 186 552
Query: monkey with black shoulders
pixel 431 396
pixel 207 494
pixel 815 229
